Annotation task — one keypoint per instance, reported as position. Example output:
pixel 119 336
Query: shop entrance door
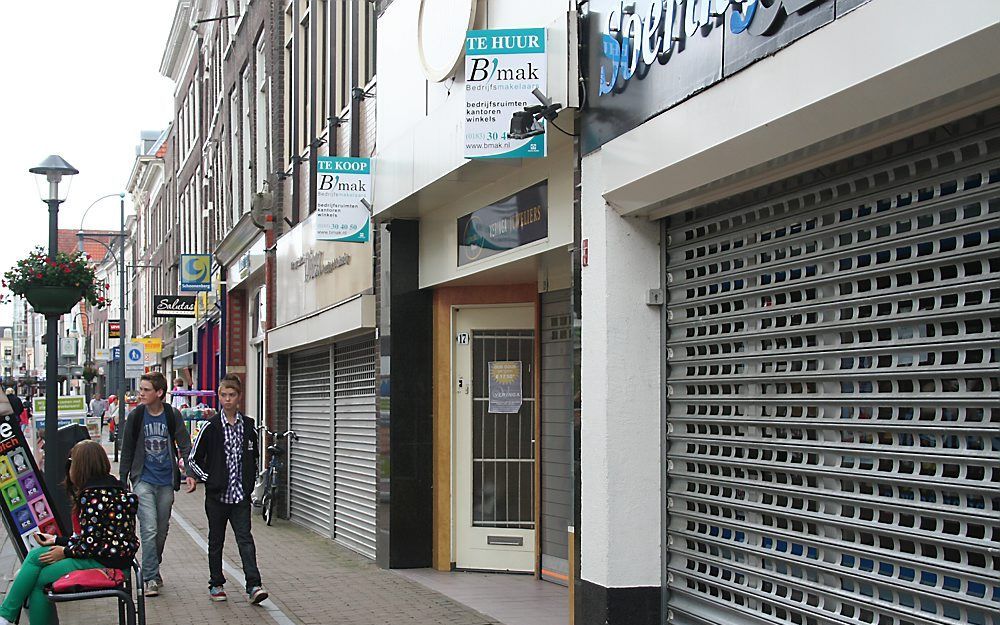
pixel 494 460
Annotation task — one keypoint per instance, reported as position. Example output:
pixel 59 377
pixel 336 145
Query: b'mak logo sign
pixel 343 199
pixel 502 68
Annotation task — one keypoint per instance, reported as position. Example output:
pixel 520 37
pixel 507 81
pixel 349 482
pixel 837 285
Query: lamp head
pixel 51 171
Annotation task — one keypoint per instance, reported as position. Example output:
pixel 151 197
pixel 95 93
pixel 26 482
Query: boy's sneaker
pixel 257 594
pixel 151 588
pixel 217 593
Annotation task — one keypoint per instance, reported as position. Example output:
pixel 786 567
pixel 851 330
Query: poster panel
pixel 25 504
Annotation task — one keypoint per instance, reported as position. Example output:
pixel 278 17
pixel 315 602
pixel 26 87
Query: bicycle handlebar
pixel 282 434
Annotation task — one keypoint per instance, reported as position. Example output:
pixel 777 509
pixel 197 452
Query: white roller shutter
pixel 355 445
pixel 833 393
pixel 310 417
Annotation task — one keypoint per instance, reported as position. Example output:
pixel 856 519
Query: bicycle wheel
pixel 268 510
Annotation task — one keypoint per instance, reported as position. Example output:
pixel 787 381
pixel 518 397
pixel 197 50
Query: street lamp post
pixel 122 380
pixel 120 423
pixel 54 168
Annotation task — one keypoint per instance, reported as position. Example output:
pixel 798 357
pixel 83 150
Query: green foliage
pixel 67 270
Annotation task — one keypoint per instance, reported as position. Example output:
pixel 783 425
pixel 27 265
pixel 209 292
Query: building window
pixel 234 160
pixel 247 152
pixel 305 108
pixel 322 21
pixel 262 115
pixel 290 83
pixel 366 47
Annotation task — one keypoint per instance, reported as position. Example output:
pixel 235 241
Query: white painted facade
pixel 620 387
pixel 420 123
pixel 886 70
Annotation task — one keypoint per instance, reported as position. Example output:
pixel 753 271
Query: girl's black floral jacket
pixel 103 524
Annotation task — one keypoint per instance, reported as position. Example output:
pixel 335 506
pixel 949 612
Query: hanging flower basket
pixel 53 300
pixel 54 286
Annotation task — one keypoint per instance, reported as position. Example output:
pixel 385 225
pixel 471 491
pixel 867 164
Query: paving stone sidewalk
pixel 311 581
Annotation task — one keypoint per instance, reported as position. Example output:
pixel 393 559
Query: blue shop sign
pixel 647 56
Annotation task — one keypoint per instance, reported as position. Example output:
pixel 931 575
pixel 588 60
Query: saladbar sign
pixel 646 56
pixel 502 68
pixel 343 199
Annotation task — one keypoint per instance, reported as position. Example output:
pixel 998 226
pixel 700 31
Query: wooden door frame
pixel 445 299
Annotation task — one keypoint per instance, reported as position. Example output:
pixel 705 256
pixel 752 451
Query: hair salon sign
pixel 173 306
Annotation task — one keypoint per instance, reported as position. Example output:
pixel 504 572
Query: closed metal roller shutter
pixel 557 430
pixel 355 445
pixel 309 461
pixel 833 426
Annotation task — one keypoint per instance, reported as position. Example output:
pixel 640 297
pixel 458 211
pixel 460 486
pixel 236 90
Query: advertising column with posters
pixel 502 68
pixel 24 498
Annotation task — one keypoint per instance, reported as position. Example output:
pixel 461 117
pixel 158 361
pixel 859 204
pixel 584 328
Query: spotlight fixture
pixel 527 123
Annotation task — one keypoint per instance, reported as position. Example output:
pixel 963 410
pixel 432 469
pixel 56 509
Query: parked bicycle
pixel 265 490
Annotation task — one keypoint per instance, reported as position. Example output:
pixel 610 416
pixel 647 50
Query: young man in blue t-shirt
pixel 153 436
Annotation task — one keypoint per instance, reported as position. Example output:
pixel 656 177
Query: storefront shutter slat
pixel 355 444
pixel 309 460
pixel 833 393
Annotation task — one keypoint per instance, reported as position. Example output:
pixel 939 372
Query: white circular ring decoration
pixel 441 29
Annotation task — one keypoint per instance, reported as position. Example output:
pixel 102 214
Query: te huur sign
pixel 514 221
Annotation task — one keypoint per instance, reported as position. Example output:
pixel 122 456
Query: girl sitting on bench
pixel 103 535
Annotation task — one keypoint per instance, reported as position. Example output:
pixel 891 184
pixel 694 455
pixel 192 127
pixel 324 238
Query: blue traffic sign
pixel 116 353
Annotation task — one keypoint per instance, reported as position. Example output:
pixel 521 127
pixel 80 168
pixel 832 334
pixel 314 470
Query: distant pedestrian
pixel 225 457
pixel 177 400
pixel 153 436
pixel 112 412
pixel 98 407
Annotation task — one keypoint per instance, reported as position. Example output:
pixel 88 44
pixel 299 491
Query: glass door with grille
pixel 494 427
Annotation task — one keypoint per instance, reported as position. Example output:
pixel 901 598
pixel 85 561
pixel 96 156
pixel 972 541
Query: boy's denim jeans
pixel 155 503
pixel 236 515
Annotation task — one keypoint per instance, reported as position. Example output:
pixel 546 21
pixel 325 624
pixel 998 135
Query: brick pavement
pixel 311 580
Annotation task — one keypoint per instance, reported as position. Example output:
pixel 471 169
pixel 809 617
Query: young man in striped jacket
pixel 225 457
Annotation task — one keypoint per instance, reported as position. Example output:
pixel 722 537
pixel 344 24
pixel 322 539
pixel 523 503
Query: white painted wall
pixel 876 61
pixel 620 382
pixel 420 124
pixel 439 229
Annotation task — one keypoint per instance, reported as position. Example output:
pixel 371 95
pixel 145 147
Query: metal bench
pixel 131 611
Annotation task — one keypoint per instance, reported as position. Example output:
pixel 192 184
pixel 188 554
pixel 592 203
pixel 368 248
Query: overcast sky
pixel 81 80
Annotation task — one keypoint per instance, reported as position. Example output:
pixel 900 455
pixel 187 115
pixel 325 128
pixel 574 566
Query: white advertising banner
pixel 343 199
pixel 502 68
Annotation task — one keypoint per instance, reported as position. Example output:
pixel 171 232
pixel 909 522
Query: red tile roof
pixel 68 241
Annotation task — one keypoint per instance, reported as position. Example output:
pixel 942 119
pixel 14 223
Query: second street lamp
pixel 53 169
pixel 122 380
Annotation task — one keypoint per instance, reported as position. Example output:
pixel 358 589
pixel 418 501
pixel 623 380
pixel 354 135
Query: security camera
pixel 525 124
